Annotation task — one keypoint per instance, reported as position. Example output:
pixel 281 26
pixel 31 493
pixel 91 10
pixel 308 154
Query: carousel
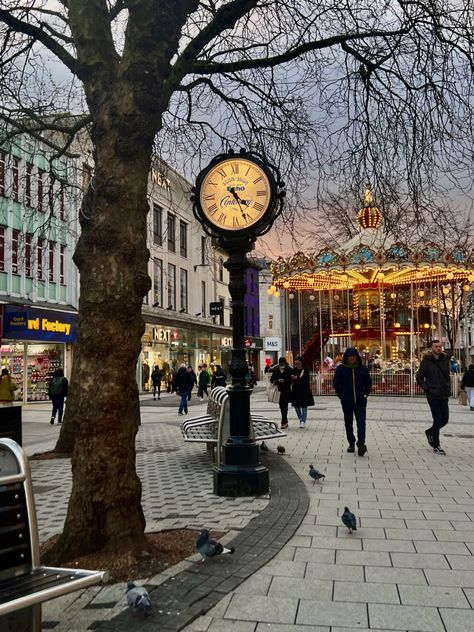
pixel 380 295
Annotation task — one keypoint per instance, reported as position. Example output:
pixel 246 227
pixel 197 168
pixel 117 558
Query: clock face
pixel 235 193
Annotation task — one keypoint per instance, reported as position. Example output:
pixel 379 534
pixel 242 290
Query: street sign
pixel 216 309
pixel 247 343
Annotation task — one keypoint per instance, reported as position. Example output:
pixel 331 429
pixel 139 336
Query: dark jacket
pixel 301 394
pixel 156 376
pixel 183 382
pixel 64 386
pixel 468 379
pixel 283 373
pixel 352 382
pixel 204 378
pixel 433 376
pixel 219 378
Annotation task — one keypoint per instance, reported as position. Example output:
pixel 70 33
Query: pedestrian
pixel 467 384
pixel 353 384
pixel 434 378
pixel 219 378
pixel 57 391
pixel 156 377
pixel 7 387
pixel 281 376
pixel 194 378
pixel 169 382
pixel 301 395
pixel 182 384
pixel 204 379
pixel 328 362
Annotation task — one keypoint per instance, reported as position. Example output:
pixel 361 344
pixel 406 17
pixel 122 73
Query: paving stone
pixel 457 620
pixel 363 558
pixel 421 619
pixel 339 572
pixel 419 560
pixel 456 548
pixel 231 626
pixel 464 579
pixel 308 588
pixel 432 596
pixel 281 627
pixel 366 592
pixel 403 546
pixel 387 575
pixel 262 609
pixel 331 613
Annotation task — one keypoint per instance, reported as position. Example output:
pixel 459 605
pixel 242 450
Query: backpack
pixel 56 387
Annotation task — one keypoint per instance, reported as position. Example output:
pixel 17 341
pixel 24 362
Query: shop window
pixel 28 267
pixel 29 168
pixel 157 283
pixel 171 230
pixel 15 237
pixel 203 299
pixel 183 290
pixel 39 258
pixel 15 180
pixel 171 286
pixel 2 248
pixel 62 215
pixel 40 190
pixel 203 250
pixel 183 239
pixel 221 269
pixel 51 248
pixel 157 225
pixel 3 157
pixel 62 254
pixel 86 176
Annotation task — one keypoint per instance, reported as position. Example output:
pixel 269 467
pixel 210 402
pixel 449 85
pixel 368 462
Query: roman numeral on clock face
pixel 221 219
pixel 235 221
pixel 258 180
pixel 212 209
pixel 257 206
pixel 261 193
pixel 235 167
pixel 221 172
pixel 211 196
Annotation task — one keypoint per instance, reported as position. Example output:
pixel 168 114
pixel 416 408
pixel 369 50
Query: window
pixel 270 321
pixel 157 283
pixel 221 269
pixel 62 254
pixel 40 190
pixel 203 250
pixel 203 299
pixel 28 266
pixel 183 290
pixel 15 236
pixel 171 229
pixel 62 214
pixel 16 179
pixel 86 176
pixel 183 239
pixel 221 316
pixel 171 286
pixel 157 225
pixel 2 248
pixel 2 172
pixel 39 257
pixel 29 168
pixel 51 247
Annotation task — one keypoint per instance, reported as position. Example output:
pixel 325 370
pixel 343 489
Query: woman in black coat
pixel 301 396
pixel 282 377
pixel 467 384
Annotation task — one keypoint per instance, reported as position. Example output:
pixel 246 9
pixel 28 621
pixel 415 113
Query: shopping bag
pixel 463 398
pixel 274 394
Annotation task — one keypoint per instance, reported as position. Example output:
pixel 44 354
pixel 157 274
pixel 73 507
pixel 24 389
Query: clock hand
pixel 239 200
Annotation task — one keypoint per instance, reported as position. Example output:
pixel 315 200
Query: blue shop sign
pixel 24 323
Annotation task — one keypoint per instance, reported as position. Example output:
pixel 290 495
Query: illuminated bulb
pixel 276 294
pixel 312 297
pixel 445 291
pixel 426 325
pixel 393 295
pixel 291 296
pixel 420 293
pixel 450 276
pixel 286 285
pixel 357 326
pixel 418 274
pixel 470 278
pixel 466 287
pixel 269 291
pixel 381 275
pixel 397 325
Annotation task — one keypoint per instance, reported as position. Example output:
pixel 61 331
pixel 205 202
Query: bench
pixel 24 584
pixel 213 427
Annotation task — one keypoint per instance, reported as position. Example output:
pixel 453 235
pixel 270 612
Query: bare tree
pixel 338 89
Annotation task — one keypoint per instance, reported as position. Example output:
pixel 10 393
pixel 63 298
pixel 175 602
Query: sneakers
pixel 429 437
pixel 201 399
pixel 439 450
pixel 361 449
pixel 284 426
pixel 302 424
pixel 180 413
pixel 351 448
pixel 52 421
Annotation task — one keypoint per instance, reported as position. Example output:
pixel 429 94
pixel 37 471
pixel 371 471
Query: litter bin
pixel 10 422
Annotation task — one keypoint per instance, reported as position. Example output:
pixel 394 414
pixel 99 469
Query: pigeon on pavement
pixel 315 474
pixel 264 447
pixel 349 520
pixel 138 598
pixel 210 548
pixel 281 449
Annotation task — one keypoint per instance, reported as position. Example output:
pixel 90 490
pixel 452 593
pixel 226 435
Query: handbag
pixel 463 398
pixel 274 394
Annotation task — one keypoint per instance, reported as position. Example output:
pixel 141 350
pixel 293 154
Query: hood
pixel 351 351
pixel 429 356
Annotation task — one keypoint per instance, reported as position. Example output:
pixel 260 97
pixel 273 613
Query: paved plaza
pixel 409 566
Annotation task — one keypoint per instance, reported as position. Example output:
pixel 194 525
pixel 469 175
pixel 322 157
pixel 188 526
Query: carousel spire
pixel 369 215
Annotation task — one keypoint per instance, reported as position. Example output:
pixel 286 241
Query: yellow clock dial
pixel 235 194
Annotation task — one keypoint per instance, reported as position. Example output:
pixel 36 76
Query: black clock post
pixel 237 199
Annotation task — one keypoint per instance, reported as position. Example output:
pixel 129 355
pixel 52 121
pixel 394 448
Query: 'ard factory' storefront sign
pixel 25 323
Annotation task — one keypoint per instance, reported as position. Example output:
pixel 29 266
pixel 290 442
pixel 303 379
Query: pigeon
pixel 315 474
pixel 210 548
pixel 349 520
pixel 138 598
pixel 264 447
pixel 281 449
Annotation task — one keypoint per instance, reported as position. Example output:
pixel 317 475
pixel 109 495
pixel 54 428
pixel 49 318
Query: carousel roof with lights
pixel 370 258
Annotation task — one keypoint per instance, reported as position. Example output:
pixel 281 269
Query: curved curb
pixel 192 592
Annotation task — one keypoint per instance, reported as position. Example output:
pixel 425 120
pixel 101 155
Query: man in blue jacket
pixel 353 385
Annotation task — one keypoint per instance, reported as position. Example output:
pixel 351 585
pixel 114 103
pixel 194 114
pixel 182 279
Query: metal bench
pixel 24 584
pixel 213 428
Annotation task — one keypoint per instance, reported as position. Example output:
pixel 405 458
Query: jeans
pixel 201 390
pixel 183 404
pixel 58 406
pixel 359 411
pixel 157 387
pixel 440 413
pixel 302 413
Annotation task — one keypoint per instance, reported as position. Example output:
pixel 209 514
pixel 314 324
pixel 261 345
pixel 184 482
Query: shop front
pixel 35 342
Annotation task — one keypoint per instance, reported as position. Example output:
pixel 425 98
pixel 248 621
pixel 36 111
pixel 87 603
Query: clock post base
pixel 241 480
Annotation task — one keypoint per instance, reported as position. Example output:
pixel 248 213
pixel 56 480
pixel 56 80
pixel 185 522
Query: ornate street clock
pixel 238 194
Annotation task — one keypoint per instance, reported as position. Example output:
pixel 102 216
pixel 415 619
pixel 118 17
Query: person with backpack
pixel 57 391
pixel 219 378
pixel 7 387
pixel 204 379
pixel 156 377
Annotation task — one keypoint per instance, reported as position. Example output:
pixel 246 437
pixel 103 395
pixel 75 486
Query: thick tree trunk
pixel 104 509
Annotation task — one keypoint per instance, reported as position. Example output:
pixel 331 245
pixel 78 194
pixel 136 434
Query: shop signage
pixel 253 343
pixel 247 343
pixel 272 343
pixel 24 323
pixel 161 335
pixel 160 179
pixel 216 309
pixel 226 342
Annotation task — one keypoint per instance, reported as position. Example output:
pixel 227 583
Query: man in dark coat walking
pixel 434 378
pixel 353 385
